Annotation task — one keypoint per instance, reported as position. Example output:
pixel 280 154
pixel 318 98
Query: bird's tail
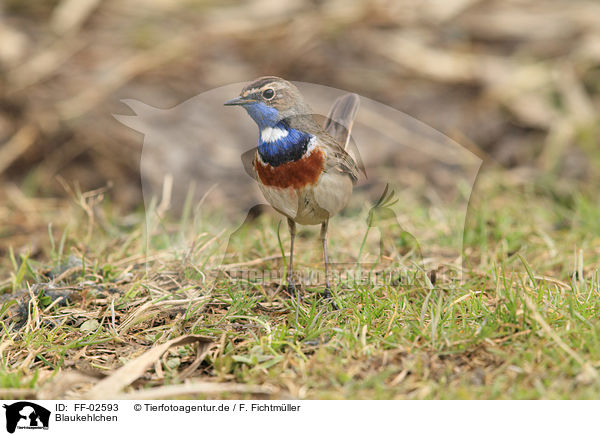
pixel 341 117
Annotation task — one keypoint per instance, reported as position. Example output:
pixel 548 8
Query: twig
pixel 196 388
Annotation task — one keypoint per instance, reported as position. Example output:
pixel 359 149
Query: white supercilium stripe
pixel 272 134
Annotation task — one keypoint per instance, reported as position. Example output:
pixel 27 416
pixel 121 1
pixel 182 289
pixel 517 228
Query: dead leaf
pixel 111 386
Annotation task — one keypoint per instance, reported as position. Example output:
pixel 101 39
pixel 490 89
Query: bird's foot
pixel 291 289
pixel 326 295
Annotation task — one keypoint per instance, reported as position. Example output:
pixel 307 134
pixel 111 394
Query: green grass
pixel 523 322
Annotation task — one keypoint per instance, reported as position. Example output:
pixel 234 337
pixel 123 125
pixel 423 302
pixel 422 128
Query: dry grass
pixel 94 297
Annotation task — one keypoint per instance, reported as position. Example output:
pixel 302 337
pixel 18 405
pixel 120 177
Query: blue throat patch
pixel 287 149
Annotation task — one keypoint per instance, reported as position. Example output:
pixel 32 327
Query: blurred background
pixel 517 82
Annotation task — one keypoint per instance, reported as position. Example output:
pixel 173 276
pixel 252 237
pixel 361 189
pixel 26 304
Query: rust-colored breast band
pixel 296 174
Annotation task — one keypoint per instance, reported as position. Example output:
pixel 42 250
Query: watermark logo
pixel 25 415
pixel 407 211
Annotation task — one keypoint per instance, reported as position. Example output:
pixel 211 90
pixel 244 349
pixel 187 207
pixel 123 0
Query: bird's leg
pixel 327 291
pixel 291 286
pixel 324 242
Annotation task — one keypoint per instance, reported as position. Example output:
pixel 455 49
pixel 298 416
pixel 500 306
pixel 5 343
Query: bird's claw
pixel 326 295
pixel 291 289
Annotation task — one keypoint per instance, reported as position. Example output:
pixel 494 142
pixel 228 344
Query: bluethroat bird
pixel 301 166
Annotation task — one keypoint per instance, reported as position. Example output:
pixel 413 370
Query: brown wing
pixel 337 157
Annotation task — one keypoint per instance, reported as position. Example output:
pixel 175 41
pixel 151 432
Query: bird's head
pixel 268 100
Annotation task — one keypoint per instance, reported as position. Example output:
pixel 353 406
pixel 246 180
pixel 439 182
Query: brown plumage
pixel 296 174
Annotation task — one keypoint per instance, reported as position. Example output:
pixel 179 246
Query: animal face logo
pixel 196 164
pixel 26 415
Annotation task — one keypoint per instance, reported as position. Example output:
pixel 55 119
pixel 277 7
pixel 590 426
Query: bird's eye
pixel 268 94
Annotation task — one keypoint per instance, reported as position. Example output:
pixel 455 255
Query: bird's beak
pixel 239 101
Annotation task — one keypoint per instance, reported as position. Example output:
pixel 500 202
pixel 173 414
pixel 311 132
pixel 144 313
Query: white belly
pixel 312 204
